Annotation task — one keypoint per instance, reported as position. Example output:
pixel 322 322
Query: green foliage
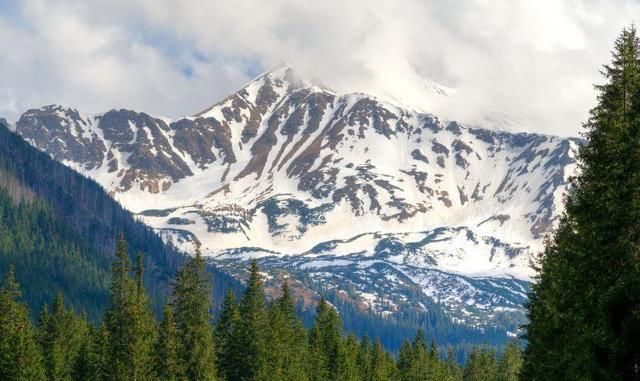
pixel 192 303
pixel 285 360
pixel 324 342
pixel 481 365
pixel 61 335
pixel 129 323
pixel 20 357
pixel 225 338
pixel 584 309
pixel 168 364
pixel 251 332
pixel 129 345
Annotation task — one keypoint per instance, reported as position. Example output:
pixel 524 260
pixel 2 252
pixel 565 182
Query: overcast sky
pixel 535 60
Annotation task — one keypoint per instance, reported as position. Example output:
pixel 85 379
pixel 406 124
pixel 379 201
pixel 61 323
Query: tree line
pixel 252 339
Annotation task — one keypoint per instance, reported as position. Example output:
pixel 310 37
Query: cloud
pixel 536 61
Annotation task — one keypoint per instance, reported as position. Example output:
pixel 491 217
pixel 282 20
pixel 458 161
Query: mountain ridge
pixel 284 166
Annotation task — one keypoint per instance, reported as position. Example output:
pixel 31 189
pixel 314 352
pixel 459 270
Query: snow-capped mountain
pixel 386 203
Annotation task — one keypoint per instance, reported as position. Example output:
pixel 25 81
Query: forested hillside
pixel 58 229
pixel 251 340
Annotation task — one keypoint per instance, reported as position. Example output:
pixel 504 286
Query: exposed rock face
pixel 284 165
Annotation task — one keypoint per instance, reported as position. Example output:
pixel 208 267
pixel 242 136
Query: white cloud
pixel 536 60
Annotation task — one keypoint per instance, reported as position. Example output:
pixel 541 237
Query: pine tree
pixel 414 363
pixel 286 358
pixel 192 304
pixel 363 357
pixel 61 335
pixel 250 336
pixel 383 365
pixel 510 363
pixel 168 366
pixel 348 369
pixel 324 342
pixel 20 357
pixel 481 365
pixel 144 330
pixel 118 322
pixel 98 356
pixel 82 366
pixel 584 309
pixel 129 322
pixel 225 338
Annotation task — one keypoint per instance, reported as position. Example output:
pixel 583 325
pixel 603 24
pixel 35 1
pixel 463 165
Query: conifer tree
pixel 383 366
pixel 364 357
pixel 82 366
pixel 168 365
pixel 144 330
pixel 510 363
pixel 61 335
pixel 129 322
pixel 250 336
pixel 192 304
pixel 98 356
pixel 286 358
pixel 348 369
pixel 20 357
pixel 118 322
pixel 481 365
pixel 225 339
pixel 324 342
pixel 584 309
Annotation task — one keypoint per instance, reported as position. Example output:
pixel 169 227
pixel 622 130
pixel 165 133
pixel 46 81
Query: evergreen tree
pixel 510 363
pixel 584 309
pixel 168 366
pixel 324 341
pixel 61 335
pixel 192 303
pixel 250 336
pixel 413 359
pixel 225 338
pixel 348 369
pixel 364 360
pixel 481 365
pixel 20 357
pixel 98 356
pixel 129 323
pixel 286 358
pixel 118 322
pixel 144 330
pixel 82 366
pixel 383 365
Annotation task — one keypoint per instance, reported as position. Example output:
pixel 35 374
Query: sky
pixel 535 61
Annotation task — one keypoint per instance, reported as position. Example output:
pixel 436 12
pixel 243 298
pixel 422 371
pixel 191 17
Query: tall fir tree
pixel 250 337
pixel 168 364
pixel 348 369
pixel 481 365
pixel 584 308
pixel 510 363
pixel 20 357
pixel 192 303
pixel 325 338
pixel 61 335
pixel 225 337
pixel 129 322
pixel 117 323
pixel 144 329
pixel 286 358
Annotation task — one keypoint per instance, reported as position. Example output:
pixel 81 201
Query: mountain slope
pixel 58 229
pixel 318 182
